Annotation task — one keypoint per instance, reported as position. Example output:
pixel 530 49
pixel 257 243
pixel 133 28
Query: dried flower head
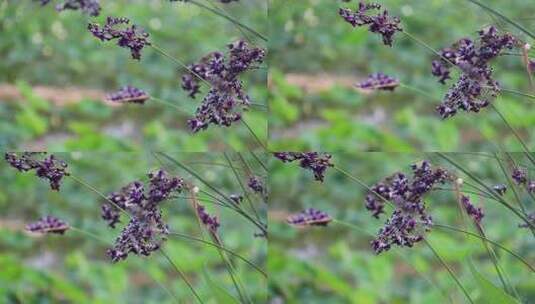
pixel 381 23
pixel 48 224
pixel 255 183
pixel 475 87
pixel 474 212
pixel 90 7
pixel 146 229
pixel 310 217
pixel 315 161
pixel 410 220
pixel 128 94
pixel 211 222
pixel 130 37
pixel 226 99
pixel 519 175
pixel 378 81
pixel 49 168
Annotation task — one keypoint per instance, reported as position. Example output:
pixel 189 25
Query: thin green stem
pixel 229 18
pixel 417 90
pixel 240 183
pixel 490 191
pixel 167 103
pixel 182 275
pixel 514 132
pixel 179 62
pixel 91 234
pixel 222 248
pixel 254 134
pixel 88 186
pixel 505 18
pixel 452 274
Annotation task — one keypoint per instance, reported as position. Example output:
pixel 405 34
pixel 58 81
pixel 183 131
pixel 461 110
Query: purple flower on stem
pixel 519 175
pixel 474 212
pixel 49 168
pixel 255 184
pixel 48 224
pixel 381 23
pixel 314 161
pixel 410 219
pixel 128 94
pixel 309 217
pixel 146 230
pixel 130 37
pixel 475 87
pixel 221 106
pixel 211 222
pixel 378 81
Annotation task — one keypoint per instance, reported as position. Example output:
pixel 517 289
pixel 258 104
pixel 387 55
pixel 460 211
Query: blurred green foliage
pixel 40 46
pixel 309 38
pixel 73 268
pixel 336 264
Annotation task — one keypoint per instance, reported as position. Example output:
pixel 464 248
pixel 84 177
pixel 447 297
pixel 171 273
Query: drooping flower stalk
pixel 49 168
pixel 316 162
pixel 309 217
pixel 48 224
pixel 381 23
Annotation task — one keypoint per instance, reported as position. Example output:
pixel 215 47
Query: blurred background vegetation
pixel 53 75
pixel 73 268
pixel 316 57
pixel 335 264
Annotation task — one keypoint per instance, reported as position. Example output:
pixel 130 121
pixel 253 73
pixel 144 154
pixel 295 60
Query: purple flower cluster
pixel 221 105
pixel 475 86
pixel 519 175
pixel 49 168
pixel 474 212
pixel 315 161
pixel 128 94
pixel 310 217
pixel 410 220
pixel 146 230
pixel 255 184
pixel 378 81
pixel 90 7
pixel 211 222
pixel 381 23
pixel 130 37
pixel 48 224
